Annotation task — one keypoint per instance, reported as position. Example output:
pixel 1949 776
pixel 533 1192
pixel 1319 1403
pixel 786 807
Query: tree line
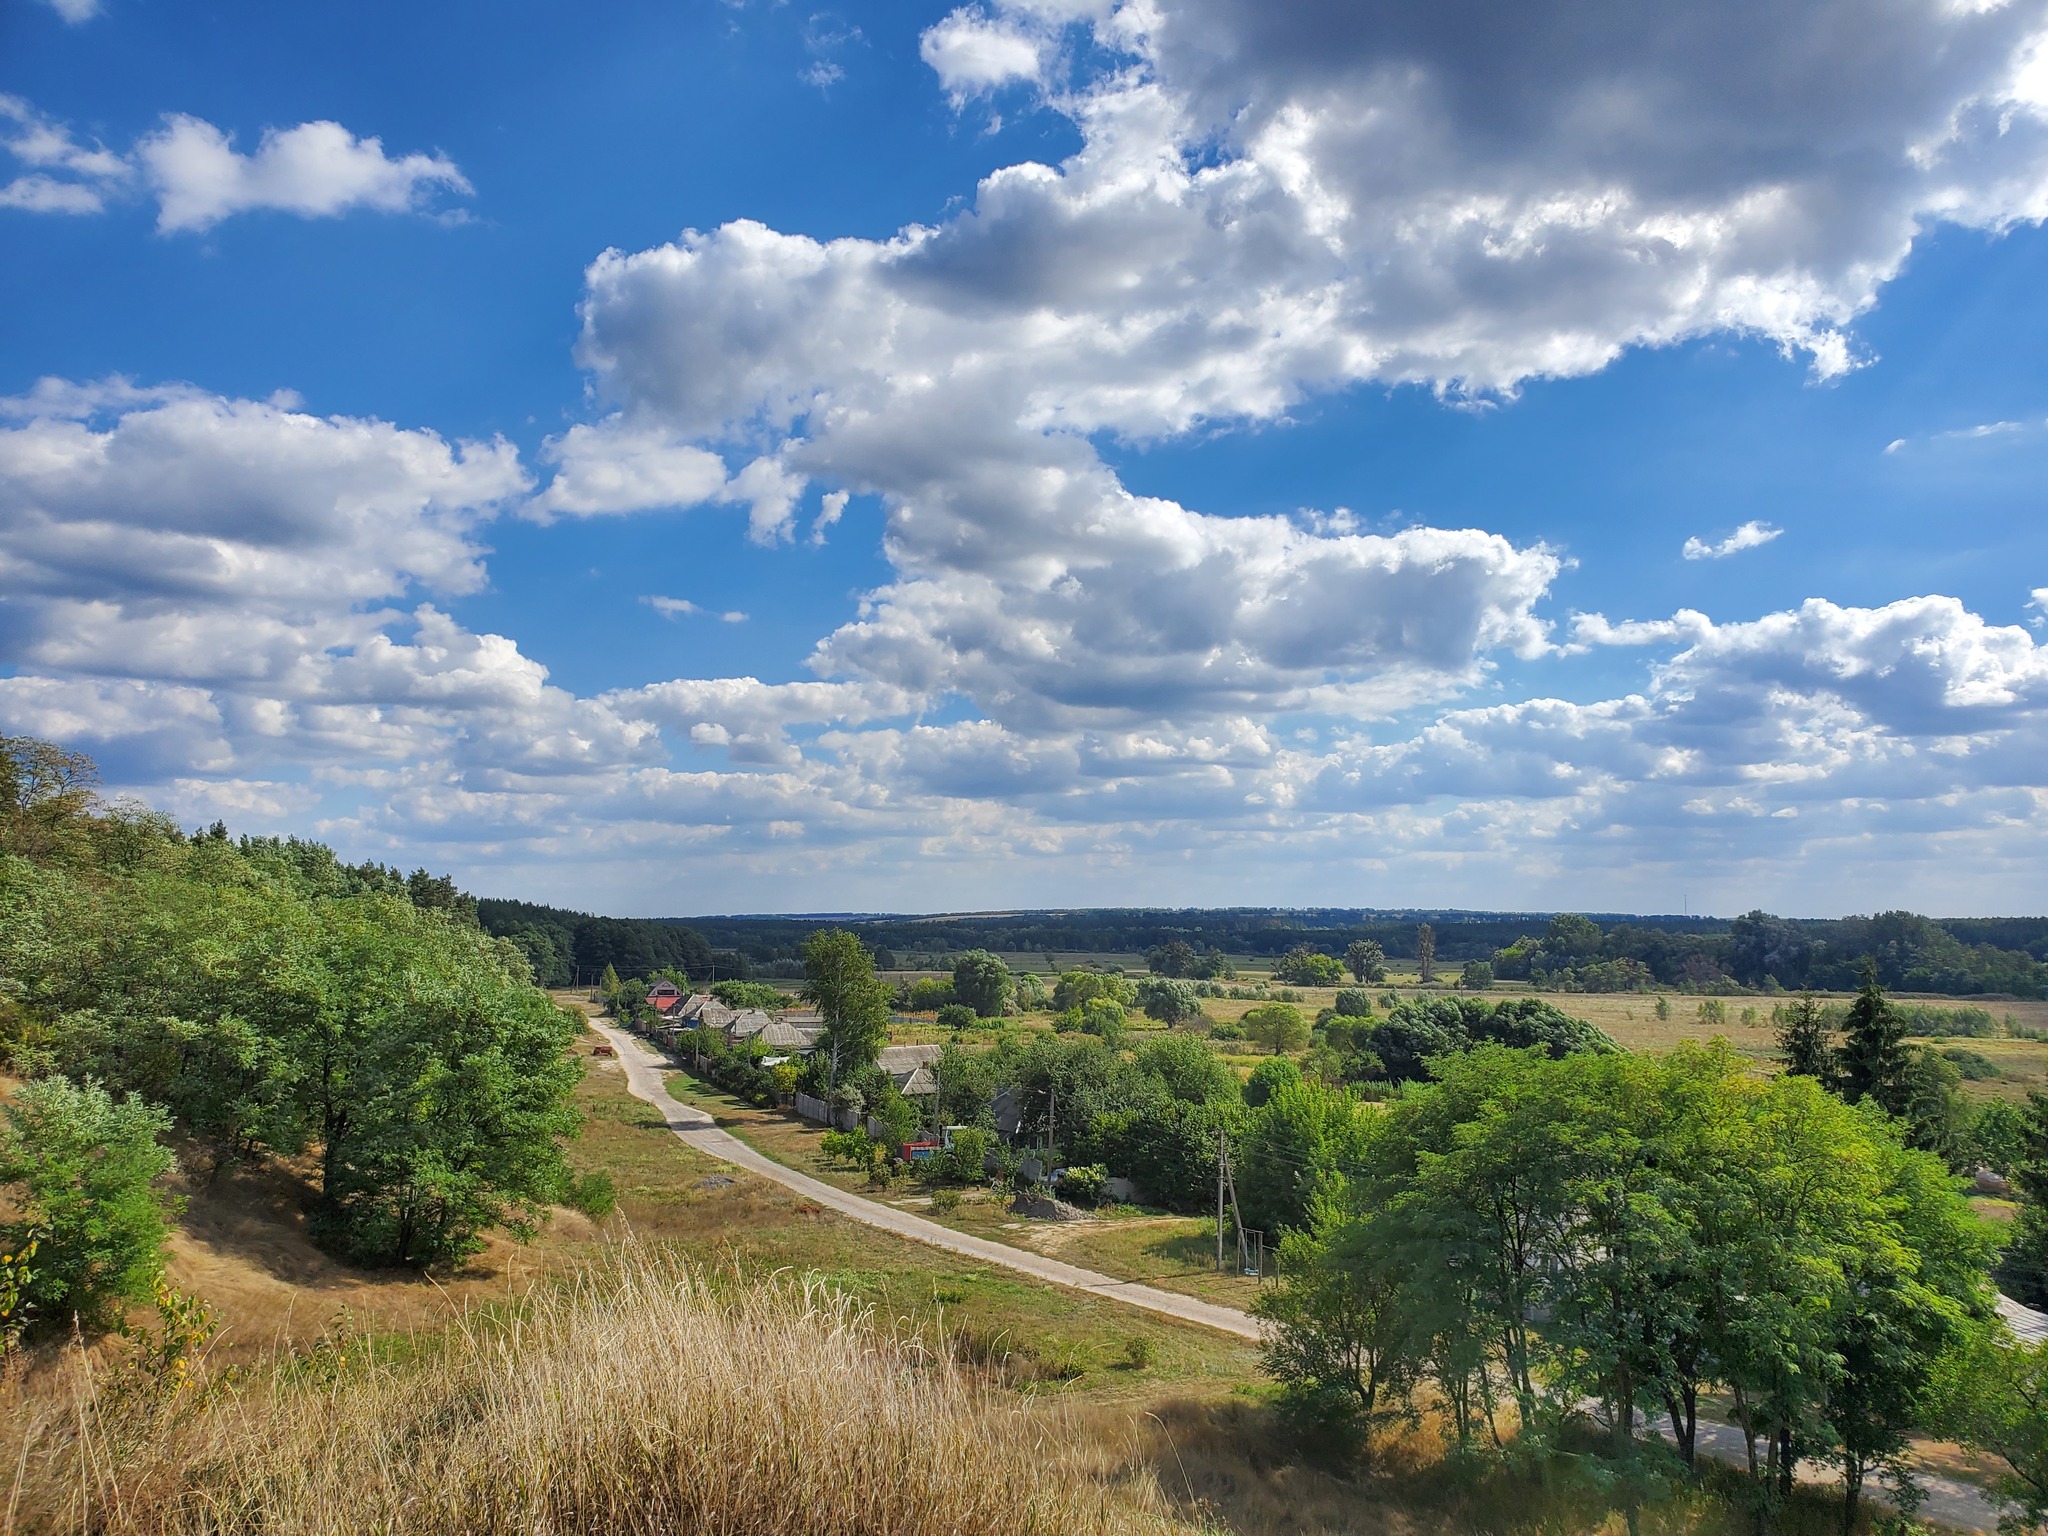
pixel 262 998
pixel 1567 951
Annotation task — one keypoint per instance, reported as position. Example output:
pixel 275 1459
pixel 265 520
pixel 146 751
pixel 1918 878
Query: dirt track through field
pixel 1948 1501
pixel 697 1129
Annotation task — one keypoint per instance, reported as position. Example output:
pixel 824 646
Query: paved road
pixel 643 1079
pixel 1948 1501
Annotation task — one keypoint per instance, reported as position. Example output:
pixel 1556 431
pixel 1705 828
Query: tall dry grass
pixel 631 1400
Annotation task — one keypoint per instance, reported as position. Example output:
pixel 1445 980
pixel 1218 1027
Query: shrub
pixel 749 994
pixel 928 994
pixel 1267 1078
pixel 957 1016
pixel 968 1157
pixel 1353 1003
pixel 1137 1353
pixel 1083 1185
pixel 1303 966
pixel 945 1199
pixel 1226 1029
pixel 80 1173
pixel 593 1194
pixel 1974 1065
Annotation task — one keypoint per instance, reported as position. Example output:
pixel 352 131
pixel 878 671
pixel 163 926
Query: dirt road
pixel 643 1079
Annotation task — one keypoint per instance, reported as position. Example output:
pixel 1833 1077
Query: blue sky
pixel 753 457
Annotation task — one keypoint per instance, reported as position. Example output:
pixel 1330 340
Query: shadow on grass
pixel 1232 1464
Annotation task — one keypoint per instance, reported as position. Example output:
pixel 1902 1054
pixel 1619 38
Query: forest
pixel 1568 952
pixel 251 998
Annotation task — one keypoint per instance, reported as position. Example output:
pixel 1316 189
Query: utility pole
pixel 1236 1216
pixel 1219 1201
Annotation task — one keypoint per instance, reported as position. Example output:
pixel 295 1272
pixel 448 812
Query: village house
pixel 912 1068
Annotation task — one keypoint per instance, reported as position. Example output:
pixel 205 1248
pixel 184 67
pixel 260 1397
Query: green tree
pixel 1477 976
pixel 1103 1017
pixel 1875 1061
pixel 1294 1151
pixel 439 1085
pixel 1353 1003
pixel 46 795
pixel 1267 1078
pixel 1188 1068
pixel 956 1016
pixel 1306 966
pixel 1170 1002
pixel 1806 1041
pixel 1340 1342
pixel 1994 1397
pixel 1365 960
pixel 79 1171
pixel 1279 1027
pixel 839 979
pixel 1912 1296
pixel 2024 1268
pixel 982 981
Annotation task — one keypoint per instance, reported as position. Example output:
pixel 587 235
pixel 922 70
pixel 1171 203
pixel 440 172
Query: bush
pixel 1226 1029
pixel 1303 966
pixel 957 1016
pixel 1267 1078
pixel 593 1194
pixel 1100 1016
pixel 928 994
pixel 1974 1065
pixel 1353 1003
pixel 968 1157
pixel 945 1200
pixel 80 1172
pixel 1083 1185
pixel 848 1147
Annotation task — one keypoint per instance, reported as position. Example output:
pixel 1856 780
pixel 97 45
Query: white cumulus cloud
pixel 198 177
pixel 1750 535
pixel 316 170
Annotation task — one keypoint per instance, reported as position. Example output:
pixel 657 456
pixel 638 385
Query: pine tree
pixel 1807 1041
pixel 1875 1061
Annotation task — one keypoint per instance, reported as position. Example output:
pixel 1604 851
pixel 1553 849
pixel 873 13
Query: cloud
pixel 831 507
pixel 76 12
pixel 67 176
pixel 972 54
pixel 1749 536
pixel 612 468
pixel 316 170
pixel 165 545
pixel 682 607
